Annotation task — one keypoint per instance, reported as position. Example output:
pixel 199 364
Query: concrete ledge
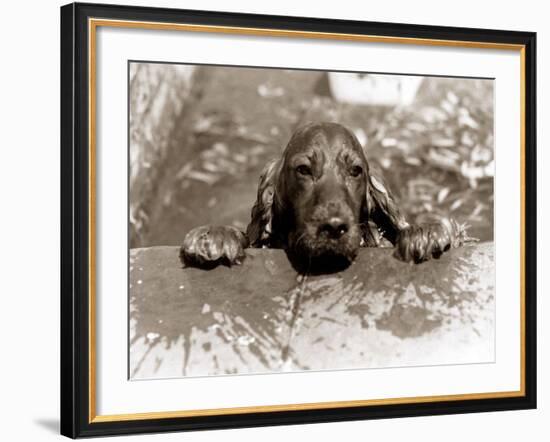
pixel 262 317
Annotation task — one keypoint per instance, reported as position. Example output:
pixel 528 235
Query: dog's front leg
pixel 208 246
pixel 421 242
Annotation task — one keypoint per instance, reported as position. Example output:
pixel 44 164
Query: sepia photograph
pixel 285 220
pixel 272 220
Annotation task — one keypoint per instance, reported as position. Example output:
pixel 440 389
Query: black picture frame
pixel 75 220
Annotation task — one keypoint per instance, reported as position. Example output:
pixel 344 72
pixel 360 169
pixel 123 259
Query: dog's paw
pixel 208 246
pixel 421 242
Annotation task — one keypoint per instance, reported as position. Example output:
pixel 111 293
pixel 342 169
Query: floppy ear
pixel 260 228
pixel 382 210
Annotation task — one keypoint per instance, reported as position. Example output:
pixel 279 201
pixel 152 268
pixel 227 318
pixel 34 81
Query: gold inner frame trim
pixel 93 24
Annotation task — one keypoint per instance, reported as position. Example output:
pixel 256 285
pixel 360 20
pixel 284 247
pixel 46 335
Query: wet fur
pixel 323 174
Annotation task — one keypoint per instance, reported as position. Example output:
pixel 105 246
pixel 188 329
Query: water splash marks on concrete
pixel 262 317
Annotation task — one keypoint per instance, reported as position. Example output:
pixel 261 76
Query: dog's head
pixel 317 200
pixel 321 193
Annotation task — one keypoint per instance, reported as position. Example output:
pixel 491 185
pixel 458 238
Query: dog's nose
pixel 335 227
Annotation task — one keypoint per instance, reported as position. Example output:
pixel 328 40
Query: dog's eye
pixel 355 171
pixel 303 170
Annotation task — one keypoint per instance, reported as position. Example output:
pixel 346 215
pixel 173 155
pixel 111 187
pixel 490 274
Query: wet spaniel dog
pixel 320 202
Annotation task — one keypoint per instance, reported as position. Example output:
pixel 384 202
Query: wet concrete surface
pixel 263 317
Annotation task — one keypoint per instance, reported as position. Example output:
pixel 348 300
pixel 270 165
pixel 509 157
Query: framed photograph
pixel 275 220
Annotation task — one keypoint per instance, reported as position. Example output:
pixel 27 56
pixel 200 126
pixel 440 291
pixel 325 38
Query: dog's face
pixel 321 202
pixel 320 193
